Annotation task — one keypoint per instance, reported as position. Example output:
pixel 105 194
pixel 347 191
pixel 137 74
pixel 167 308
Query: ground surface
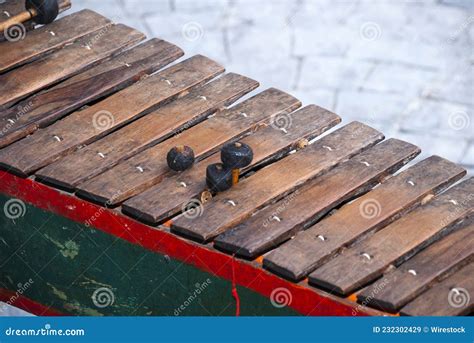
pixel 405 67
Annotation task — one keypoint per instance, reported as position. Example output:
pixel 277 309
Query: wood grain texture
pixel 94 122
pixel 49 38
pixel 126 180
pixel 268 143
pixel 397 242
pixel 306 251
pixel 280 221
pixel 275 181
pixel 146 131
pixel 70 60
pixel 44 108
pixel 450 297
pixel 400 286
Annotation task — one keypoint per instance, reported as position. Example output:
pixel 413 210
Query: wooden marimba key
pixel 87 120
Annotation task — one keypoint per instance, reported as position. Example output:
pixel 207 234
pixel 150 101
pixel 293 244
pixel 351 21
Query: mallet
pixel 41 11
pixel 235 156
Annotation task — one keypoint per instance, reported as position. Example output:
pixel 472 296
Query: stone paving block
pixel 423 117
pixel 209 44
pixel 198 5
pixel 190 25
pixel 112 9
pixel 274 40
pixel 375 106
pixel 270 72
pixel 468 158
pixel 147 7
pixel 260 11
pixel 388 51
pixel 322 97
pixel 458 123
pixel 450 148
pixel 455 85
pixel 315 42
pixel 400 79
pixel 333 73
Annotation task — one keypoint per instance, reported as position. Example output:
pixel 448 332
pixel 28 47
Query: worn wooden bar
pixel 400 286
pixel 49 38
pixel 311 248
pixel 450 297
pixel 268 144
pixel 370 258
pixel 275 181
pixel 44 108
pixel 72 59
pixel 280 221
pixel 85 126
pixel 146 169
pixel 146 131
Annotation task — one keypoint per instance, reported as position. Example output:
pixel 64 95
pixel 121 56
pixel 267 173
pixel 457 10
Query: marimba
pixel 95 223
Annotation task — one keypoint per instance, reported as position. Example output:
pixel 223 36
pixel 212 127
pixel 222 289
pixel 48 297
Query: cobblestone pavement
pixel 405 68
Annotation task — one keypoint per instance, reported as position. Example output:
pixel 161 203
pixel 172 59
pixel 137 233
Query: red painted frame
pixel 305 299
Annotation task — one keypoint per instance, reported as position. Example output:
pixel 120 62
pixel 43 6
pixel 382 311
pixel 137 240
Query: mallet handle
pixel 19 18
pixel 27 15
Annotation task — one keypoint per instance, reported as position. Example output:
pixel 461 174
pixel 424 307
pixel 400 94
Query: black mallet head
pixel 46 10
pixel 236 155
pixel 218 178
pixel 180 158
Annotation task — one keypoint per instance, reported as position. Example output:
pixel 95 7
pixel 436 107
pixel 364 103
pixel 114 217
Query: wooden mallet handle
pixel 29 14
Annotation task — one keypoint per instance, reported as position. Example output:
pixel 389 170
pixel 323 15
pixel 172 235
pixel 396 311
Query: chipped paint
pixel 86 311
pixel 60 294
pixel 69 249
pixel 90 281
